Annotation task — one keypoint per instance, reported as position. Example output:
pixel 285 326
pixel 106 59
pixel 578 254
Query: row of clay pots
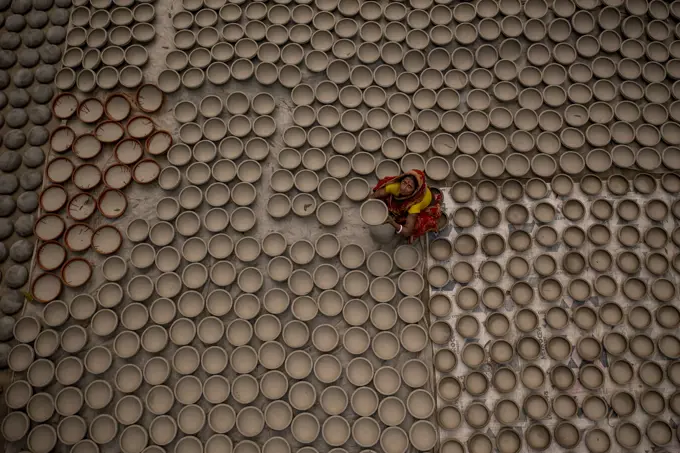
pixel 439 14
pixel 565 434
pixel 335 430
pixel 526 319
pixel 223 170
pixel 119 15
pixel 135 55
pixel 477 415
pixel 432 79
pixel 438 167
pixel 319 35
pixel 72 430
pixel 87 176
pixel 327 212
pixel 470 142
pixel 273 245
pixel 280 205
pixel 558 347
pixel 437 75
pixel 305 427
pixel 355 282
pixel 557 318
pixel 169 284
pixel 186 360
pixel 356 313
pixel 109 203
pixel 339 167
pixel 83 16
pixel 562 185
pixel 121 35
pixel 545 265
pixel 242 219
pixel 289 75
pixel 582 22
pixel 550 288
pixel 215 129
pixel 573 210
pixel 476 121
pixel 373 11
pixel 395 48
pixel 99 53
pixel 547 236
pixel 190 304
pixel 116 107
pixel 398 40
pixel 493 244
pixel 562 378
pixel 236 103
pixel 218 73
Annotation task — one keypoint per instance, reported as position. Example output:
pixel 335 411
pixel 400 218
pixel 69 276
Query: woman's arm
pixel 408 226
pixel 379 194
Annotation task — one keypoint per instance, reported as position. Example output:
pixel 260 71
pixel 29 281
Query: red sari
pixel 399 206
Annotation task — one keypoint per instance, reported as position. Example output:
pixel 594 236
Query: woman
pixel 414 208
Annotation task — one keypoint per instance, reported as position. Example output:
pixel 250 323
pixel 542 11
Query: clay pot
pixel 440 305
pixel 185 111
pixel 103 429
pixel 191 419
pixel 126 344
pixel 98 360
pixel 185 360
pixel 414 373
pixel 379 263
pixel 239 332
pixel 20 357
pixel 305 428
pixel 169 178
pixel 385 345
pixel 327 369
pixel 364 402
pixel 216 389
pixel 163 430
pixel 128 409
pixel 329 213
pixel 128 378
pixel 410 310
pixel 295 334
pixel 413 338
pixel 271 355
pixel 449 388
pixel 98 394
pixel 329 303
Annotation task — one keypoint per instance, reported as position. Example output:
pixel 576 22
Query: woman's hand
pixel 405 230
pixel 391 221
pixel 378 194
